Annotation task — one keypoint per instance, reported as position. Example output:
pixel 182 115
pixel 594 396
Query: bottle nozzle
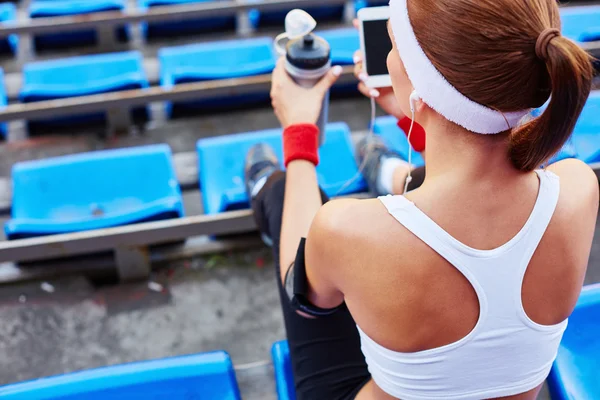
pixel 309 41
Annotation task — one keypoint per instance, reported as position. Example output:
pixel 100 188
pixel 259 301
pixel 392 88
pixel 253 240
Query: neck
pixel 457 154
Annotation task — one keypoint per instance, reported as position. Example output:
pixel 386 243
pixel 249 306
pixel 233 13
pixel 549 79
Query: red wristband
pixel 301 142
pixel 417 137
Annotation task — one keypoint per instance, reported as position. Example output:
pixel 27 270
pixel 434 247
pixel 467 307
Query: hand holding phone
pixel 375 45
pixel 384 95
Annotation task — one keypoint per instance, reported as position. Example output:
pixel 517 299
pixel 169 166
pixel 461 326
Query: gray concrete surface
pixel 207 304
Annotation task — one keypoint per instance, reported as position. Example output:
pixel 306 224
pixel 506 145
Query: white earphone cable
pixel 410 150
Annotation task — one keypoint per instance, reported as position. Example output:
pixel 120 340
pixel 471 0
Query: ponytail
pixel 570 73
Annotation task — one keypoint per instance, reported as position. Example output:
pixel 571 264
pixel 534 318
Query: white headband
pixel 435 90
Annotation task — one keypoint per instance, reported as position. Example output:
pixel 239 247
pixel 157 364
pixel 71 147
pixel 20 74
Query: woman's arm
pixel 301 203
pixel 295 105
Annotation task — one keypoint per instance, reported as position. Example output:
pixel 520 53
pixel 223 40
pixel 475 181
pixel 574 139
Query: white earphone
pixel 414 97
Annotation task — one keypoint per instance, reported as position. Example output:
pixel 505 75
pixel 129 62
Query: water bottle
pixel 307 60
pixel 308 56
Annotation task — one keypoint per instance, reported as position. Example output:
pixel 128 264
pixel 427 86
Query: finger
pixel 355 23
pixel 329 79
pixel 280 75
pixel 357 57
pixel 367 91
pixel 358 70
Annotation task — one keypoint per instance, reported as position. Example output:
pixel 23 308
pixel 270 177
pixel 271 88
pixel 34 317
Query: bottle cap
pixel 308 52
pixel 298 23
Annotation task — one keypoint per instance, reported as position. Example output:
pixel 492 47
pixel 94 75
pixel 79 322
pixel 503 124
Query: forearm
pixel 301 204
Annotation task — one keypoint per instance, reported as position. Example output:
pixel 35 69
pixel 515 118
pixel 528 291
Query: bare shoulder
pixel 345 219
pixel 343 229
pixel 579 185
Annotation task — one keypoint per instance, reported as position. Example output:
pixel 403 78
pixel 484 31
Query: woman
pixel 460 289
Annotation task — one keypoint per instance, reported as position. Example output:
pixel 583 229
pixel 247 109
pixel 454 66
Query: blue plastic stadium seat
pixel 388 129
pixel 567 151
pixel 216 60
pixel 57 8
pixel 3 103
pixel 211 24
pixel 93 190
pixel 201 376
pixel 344 42
pixel 576 371
pixel 581 24
pixel 586 136
pixel 221 165
pixel 284 377
pixel 84 75
pixel 358 4
pixel 8 13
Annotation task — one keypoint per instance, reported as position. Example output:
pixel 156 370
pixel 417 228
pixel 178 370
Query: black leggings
pixel 325 352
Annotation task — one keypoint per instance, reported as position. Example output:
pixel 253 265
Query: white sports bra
pixel 506 353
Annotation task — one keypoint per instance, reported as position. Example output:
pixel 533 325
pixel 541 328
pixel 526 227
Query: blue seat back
pixel 145 4
pixel 581 24
pixel 393 136
pixel 575 373
pixel 83 75
pixel 216 60
pixel 221 166
pixel 52 8
pixel 93 190
pixel 586 136
pixel 167 28
pixel 8 12
pixel 3 103
pixel 344 42
pixel 284 377
pixel 202 376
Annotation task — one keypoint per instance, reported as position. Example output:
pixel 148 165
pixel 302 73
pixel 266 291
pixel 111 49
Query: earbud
pixel 414 97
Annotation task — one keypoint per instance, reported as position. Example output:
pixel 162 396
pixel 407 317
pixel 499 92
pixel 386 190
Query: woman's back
pixel 407 298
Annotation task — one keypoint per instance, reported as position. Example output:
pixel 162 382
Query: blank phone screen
pixel 377 46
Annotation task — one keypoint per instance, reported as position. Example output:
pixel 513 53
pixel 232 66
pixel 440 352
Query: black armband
pixel 297 289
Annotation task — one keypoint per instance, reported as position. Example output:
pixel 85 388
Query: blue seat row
pixel 52 8
pixel 579 23
pixel 101 73
pixel 211 24
pixel 216 60
pixel 118 187
pixel 93 190
pixel 576 370
pixel 81 76
pixel 3 103
pixel 199 376
pixel 574 374
pixel 221 166
pixel 57 8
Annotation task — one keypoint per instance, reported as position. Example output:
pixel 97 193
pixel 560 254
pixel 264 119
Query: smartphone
pixel 375 44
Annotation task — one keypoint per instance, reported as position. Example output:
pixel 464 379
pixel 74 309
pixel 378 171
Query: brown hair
pixel 487 50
